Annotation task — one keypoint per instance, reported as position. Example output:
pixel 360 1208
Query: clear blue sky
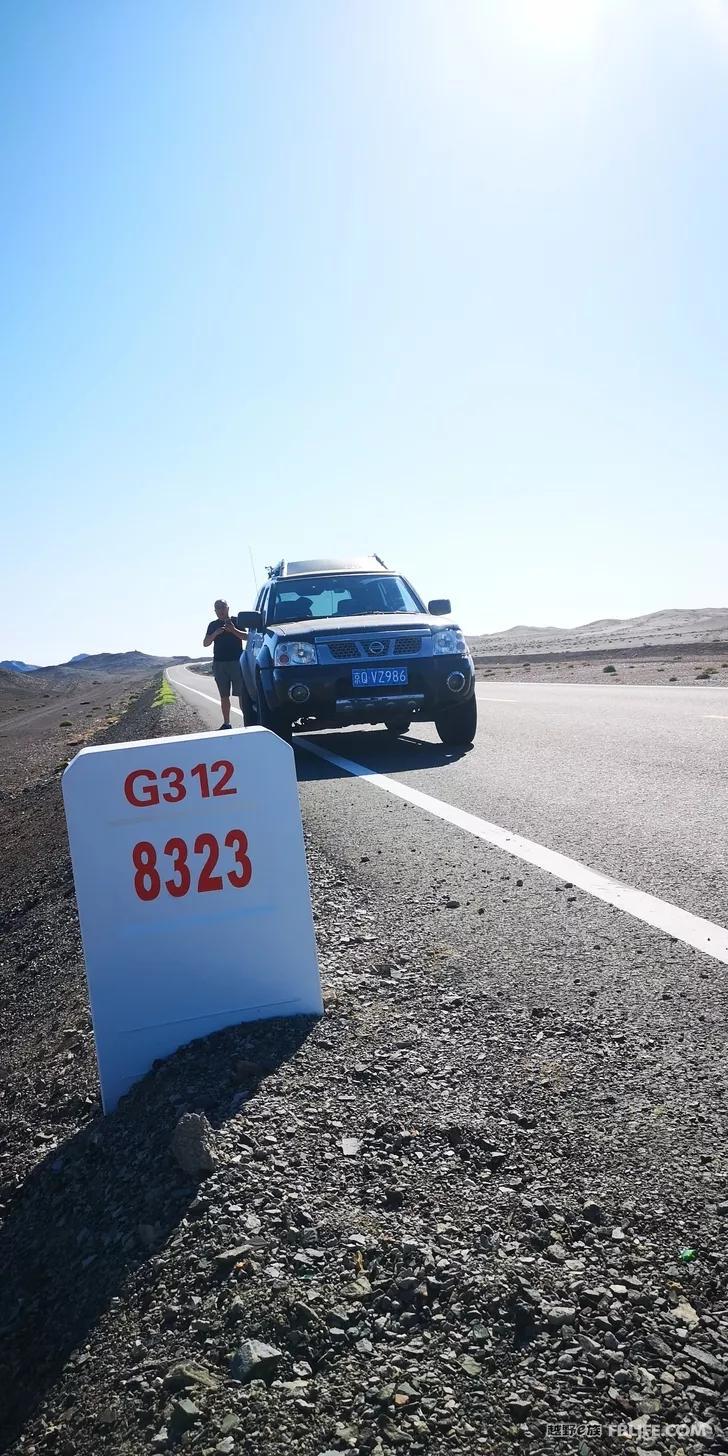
pixel 444 279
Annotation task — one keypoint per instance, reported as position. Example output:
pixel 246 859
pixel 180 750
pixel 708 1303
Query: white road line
pixel 186 688
pixel 661 914
pixel 583 687
pixel 722 716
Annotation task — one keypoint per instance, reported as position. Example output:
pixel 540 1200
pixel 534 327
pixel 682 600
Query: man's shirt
pixel 226 648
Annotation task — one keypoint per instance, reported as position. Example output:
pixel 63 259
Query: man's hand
pixel 230 627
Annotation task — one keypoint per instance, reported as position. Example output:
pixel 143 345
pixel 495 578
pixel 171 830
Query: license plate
pixel 379 677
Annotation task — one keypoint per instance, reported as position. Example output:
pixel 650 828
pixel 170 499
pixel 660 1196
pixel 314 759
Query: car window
pixel 307 599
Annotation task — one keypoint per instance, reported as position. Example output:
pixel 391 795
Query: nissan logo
pixel 376 648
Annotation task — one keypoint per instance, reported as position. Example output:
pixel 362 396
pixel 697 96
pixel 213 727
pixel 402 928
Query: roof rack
pixel 323 566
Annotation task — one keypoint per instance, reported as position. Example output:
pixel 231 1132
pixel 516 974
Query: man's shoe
pixel 225 725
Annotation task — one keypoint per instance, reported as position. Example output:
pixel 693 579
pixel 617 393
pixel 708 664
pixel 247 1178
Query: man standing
pixel 225 658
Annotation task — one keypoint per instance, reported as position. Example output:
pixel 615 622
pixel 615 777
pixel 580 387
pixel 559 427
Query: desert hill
pixel 115 661
pixel 99 677
pixel 98 664
pixel 672 627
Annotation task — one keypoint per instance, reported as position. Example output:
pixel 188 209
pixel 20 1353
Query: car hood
pixel 346 626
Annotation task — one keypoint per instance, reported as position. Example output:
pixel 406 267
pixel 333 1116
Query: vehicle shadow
pixel 377 752
pixel 89 1219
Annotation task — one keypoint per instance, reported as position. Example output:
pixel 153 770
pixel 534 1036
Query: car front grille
pixel 343 649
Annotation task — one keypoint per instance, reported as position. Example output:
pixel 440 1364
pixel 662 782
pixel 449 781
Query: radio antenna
pixel 252 567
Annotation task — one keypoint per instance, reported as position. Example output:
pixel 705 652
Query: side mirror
pixel 440 607
pixel 249 621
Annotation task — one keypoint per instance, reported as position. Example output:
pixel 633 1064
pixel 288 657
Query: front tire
pixel 457 726
pixel 275 719
pixel 397 727
pixel 249 710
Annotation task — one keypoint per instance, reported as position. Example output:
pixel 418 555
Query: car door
pixel 253 646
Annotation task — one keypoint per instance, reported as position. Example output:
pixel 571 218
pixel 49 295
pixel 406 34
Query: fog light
pixel 456 682
pixel 299 693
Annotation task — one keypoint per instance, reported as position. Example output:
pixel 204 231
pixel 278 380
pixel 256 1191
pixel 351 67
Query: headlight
pixel 295 654
pixel 449 641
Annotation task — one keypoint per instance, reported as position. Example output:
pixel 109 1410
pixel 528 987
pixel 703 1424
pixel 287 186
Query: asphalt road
pixel 629 782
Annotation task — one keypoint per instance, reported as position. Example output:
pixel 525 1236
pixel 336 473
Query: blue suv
pixel 332 643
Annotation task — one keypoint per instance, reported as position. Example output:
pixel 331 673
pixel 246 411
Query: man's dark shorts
pixel 228 677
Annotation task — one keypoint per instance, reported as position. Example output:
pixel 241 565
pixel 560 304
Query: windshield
pixel 306 598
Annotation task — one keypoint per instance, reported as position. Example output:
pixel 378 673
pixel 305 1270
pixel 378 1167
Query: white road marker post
pixel 192 890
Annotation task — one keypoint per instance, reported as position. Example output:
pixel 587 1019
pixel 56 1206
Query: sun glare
pixel 561 27
pixel 714 14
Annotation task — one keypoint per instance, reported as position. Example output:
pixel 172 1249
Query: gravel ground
pixel 45 719
pixel 426 1224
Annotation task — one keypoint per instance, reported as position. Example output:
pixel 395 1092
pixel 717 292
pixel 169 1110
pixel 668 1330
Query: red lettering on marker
pixel 207 880
pixel 200 772
pixel 177 851
pixel 177 789
pixel 148 881
pixel 227 772
pixel 238 841
pixel 148 793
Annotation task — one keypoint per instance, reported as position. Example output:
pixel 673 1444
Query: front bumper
pixel 331 697
pixel 386 702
